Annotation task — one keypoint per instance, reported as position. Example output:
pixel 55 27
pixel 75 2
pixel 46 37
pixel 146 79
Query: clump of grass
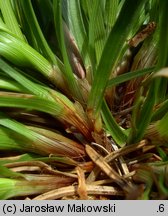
pixel 83 99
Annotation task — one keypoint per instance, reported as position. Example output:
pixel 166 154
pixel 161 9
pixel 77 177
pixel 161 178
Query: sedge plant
pixel 83 99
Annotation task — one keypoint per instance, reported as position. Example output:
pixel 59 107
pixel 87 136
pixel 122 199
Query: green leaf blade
pixel 113 47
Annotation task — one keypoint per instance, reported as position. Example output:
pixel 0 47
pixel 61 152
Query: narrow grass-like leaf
pixel 27 84
pixel 73 17
pixel 115 131
pixel 111 13
pixel 10 85
pixel 92 32
pixel 37 33
pixel 21 53
pixel 7 143
pixel 161 83
pixel 161 111
pixel 65 76
pixel 5 172
pixel 113 47
pixel 162 154
pixel 163 40
pixel 145 115
pixel 45 14
pixel 17 7
pixel 10 19
pixel 69 76
pixel 162 126
pixel 40 142
pixel 17 127
pixel 35 157
pixel 128 76
pixel 97 36
pixel 32 103
pixel 61 108
pixel 3 26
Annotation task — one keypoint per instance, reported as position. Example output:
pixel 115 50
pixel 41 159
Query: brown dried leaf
pixel 26 169
pixel 101 163
pixel 125 150
pixel 82 190
pixel 114 155
pixel 72 190
pixel 43 167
